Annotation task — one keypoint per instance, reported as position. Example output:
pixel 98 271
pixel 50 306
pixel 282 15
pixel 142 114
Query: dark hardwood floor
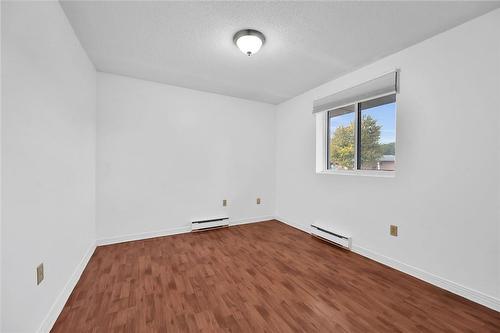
pixel 252 278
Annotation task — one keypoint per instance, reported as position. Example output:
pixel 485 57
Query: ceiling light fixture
pixel 249 41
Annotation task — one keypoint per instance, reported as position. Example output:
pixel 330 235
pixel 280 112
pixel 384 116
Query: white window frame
pixel 322 145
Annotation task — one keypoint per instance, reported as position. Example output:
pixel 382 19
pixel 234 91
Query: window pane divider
pixel 357 139
pixel 327 143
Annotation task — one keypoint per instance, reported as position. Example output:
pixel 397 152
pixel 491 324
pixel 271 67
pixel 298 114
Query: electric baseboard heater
pixel 209 224
pixel 330 235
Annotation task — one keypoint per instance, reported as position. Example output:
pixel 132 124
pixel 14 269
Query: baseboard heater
pixel 209 224
pixel 328 234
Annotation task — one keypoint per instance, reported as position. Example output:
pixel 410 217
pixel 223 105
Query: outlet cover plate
pixel 39 274
pixel 394 230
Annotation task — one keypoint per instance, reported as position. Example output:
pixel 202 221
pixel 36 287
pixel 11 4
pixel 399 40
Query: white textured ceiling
pixel 189 44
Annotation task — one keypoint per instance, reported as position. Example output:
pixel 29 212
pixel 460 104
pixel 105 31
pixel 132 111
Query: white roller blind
pixel 382 85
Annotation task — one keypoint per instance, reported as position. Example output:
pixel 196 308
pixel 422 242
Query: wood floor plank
pixel 262 277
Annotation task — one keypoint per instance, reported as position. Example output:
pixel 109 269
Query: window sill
pixel 362 173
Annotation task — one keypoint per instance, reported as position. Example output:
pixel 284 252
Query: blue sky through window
pixel 384 114
pixel 342 120
pixel 386 117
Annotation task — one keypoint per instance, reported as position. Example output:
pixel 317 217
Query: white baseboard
pixel 294 225
pixel 171 231
pixel 63 296
pixel 252 220
pixel 470 294
pixel 143 235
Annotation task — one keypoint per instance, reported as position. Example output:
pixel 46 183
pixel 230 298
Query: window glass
pixel 341 138
pixel 377 134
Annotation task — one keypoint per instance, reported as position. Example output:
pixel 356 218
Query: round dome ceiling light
pixel 249 41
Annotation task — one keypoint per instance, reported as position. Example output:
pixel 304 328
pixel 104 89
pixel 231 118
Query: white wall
pixel 166 155
pixel 445 196
pixel 48 142
pixel 1 103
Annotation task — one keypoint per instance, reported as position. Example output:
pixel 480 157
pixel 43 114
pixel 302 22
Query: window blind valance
pixel 382 85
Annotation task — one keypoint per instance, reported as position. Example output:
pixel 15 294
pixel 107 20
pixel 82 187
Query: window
pixel 342 138
pixel 356 128
pixel 362 136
